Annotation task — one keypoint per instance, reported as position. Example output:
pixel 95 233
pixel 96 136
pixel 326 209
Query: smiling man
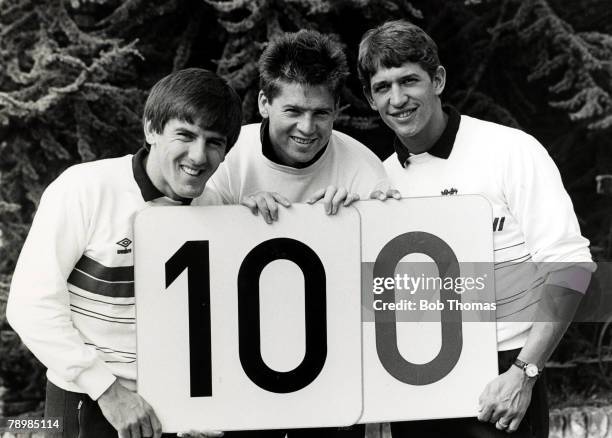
pixel 72 294
pixel 294 155
pixel 540 256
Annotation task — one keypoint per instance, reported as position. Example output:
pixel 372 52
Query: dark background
pixel 74 76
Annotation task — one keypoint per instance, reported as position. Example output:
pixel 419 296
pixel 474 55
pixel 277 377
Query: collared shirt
pixel 442 147
pixel 147 188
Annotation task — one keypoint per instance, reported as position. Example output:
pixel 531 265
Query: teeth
pixel 190 171
pixel 302 140
pixel 403 114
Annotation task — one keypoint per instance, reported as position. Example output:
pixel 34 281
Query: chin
pixel 407 131
pixel 190 193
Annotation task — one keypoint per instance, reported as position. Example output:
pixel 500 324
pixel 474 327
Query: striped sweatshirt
pixel 72 294
pixel 535 230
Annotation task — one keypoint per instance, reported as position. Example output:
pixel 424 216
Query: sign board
pixel 235 316
pixel 429 364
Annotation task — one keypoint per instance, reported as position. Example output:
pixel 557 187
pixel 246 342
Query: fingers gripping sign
pixel 129 413
pixel 266 203
pixel 350 198
pixel 383 196
pixel 333 197
pixel 505 400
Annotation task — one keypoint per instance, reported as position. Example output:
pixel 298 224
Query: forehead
pixel 177 125
pixel 304 96
pixel 389 74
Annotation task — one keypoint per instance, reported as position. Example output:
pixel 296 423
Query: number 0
pixel 385 321
pixel 249 313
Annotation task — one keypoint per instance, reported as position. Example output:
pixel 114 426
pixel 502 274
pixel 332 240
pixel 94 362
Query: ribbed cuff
pixel 95 380
pixel 573 277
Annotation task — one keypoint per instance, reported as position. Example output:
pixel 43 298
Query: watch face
pixel 531 370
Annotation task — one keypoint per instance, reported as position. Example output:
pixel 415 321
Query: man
pixel 294 155
pixel 439 151
pixel 72 294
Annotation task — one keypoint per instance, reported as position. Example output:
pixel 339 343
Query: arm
pixel 536 197
pixel 39 306
pixel 505 400
pixel 364 178
pixel 219 190
pixel 373 182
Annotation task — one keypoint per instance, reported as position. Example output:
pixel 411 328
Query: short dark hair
pixel 306 57
pixel 197 96
pixel 392 44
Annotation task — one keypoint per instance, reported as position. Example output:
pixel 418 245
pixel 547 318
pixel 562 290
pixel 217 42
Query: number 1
pixel 193 256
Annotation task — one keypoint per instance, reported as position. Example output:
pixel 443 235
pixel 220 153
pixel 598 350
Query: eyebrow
pixel 184 130
pixel 305 108
pixel 401 78
pixel 219 138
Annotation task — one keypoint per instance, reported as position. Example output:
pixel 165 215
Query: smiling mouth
pixel 304 141
pixel 191 171
pixel 403 114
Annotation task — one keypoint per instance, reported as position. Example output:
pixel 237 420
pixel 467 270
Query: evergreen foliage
pixel 74 75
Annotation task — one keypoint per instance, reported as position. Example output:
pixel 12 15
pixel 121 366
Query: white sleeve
pixel 369 172
pixel 537 199
pixel 371 177
pixel 210 196
pixel 38 305
pixel 219 183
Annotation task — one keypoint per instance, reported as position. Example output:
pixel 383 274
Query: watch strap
pixel 523 365
pixel 519 363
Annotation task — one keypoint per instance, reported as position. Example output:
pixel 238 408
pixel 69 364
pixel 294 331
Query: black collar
pixel 147 189
pixel 443 146
pixel 268 151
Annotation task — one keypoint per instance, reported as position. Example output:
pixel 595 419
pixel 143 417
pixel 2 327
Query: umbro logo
pixel 125 242
pixel 451 191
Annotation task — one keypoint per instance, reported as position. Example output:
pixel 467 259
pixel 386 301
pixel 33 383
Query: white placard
pixel 304 367
pixel 425 377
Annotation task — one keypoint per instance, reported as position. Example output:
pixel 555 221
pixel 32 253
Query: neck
pixel 152 171
pixel 429 135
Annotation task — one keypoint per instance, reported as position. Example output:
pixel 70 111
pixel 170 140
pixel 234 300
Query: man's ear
pixel 149 133
pixel 368 96
pixel 263 103
pixel 439 80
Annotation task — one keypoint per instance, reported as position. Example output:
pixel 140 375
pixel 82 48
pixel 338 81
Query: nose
pixel 306 125
pixel 197 152
pixel 398 98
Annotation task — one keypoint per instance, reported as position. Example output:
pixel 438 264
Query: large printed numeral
pixel 249 313
pixel 385 320
pixel 193 256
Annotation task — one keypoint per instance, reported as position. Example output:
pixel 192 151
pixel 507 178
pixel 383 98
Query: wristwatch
pixel 531 370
